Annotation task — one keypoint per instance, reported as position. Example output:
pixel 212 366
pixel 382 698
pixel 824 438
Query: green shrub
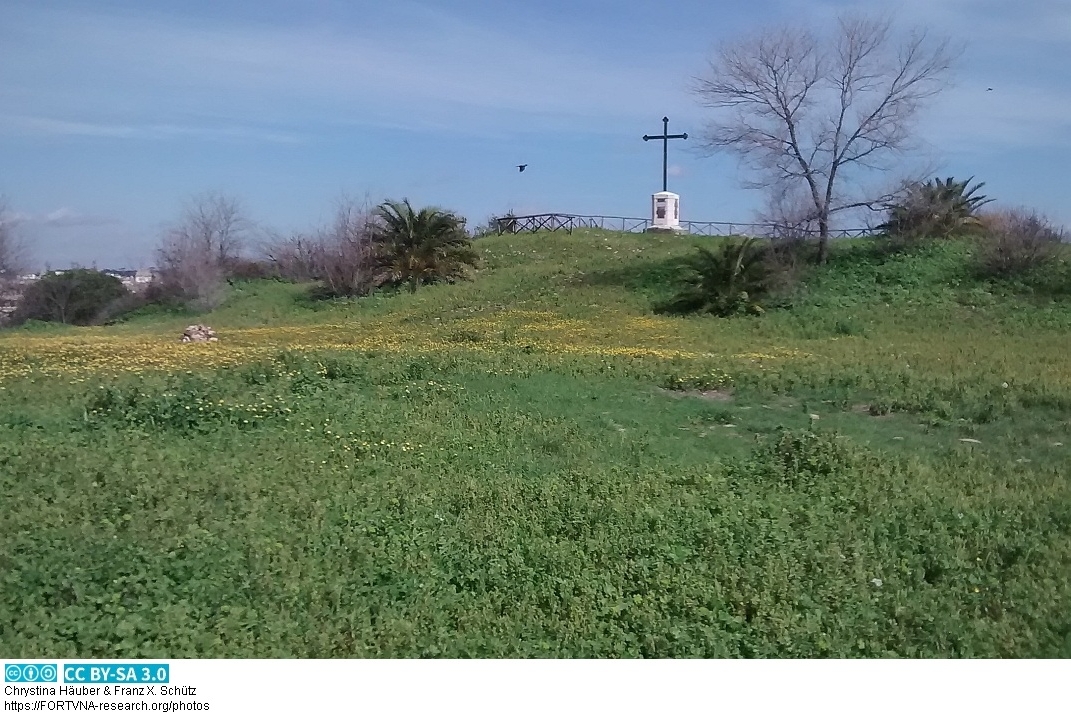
pixel 731 280
pixel 69 297
pixel 802 458
pixel 937 209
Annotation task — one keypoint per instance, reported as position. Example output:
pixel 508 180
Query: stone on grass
pixel 198 333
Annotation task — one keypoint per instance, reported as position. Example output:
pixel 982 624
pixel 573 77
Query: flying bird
pixel 990 89
pixel 521 167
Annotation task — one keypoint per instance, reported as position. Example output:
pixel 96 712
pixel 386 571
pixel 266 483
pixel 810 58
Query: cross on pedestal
pixel 665 137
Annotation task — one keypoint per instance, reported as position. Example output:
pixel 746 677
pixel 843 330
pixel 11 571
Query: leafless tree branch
pixel 195 255
pixel 816 112
pixel 13 250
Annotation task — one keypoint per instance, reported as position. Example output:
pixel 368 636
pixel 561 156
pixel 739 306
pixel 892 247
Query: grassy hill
pixel 534 464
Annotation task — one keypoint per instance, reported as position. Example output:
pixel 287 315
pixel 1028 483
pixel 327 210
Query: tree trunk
pixel 823 239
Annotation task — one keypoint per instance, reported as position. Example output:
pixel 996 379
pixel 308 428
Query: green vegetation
pixel 422 247
pixel 724 282
pixel 532 464
pixel 936 209
pixel 69 297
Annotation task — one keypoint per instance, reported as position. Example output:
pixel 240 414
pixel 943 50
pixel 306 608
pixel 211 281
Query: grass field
pixel 534 464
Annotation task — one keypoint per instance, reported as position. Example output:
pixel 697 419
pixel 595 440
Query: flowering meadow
pixel 532 463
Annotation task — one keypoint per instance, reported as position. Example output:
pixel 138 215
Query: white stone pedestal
pixel 665 213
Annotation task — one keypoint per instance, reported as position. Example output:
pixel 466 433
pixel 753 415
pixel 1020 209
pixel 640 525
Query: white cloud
pixel 64 217
pixel 432 71
pixel 68 217
pixel 40 125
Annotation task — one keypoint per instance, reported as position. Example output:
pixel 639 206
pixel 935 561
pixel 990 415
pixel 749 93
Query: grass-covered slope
pixel 532 464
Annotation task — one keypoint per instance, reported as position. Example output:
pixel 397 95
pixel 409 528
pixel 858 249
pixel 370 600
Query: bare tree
pixel 293 257
pixel 12 246
pixel 346 256
pixel 195 255
pixel 814 113
pixel 342 255
pixel 788 215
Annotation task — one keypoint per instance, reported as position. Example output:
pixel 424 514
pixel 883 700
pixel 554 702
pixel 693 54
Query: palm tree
pixel 421 247
pixel 725 282
pixel 937 209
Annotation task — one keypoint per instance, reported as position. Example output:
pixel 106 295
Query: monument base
pixel 676 230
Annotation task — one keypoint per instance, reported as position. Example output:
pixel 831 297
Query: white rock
pixel 198 333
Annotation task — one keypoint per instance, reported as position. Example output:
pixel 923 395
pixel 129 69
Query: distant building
pixel 133 280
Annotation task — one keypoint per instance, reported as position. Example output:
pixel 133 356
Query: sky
pixel 115 114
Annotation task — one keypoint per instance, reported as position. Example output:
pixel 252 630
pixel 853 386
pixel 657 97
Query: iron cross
pixel 665 137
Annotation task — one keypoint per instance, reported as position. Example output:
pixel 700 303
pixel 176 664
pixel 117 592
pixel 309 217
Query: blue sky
pixel 113 113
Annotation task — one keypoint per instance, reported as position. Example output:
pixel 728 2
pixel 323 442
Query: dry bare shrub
pixel 343 256
pixel 12 246
pixel 791 226
pixel 249 269
pixel 295 257
pixel 1016 241
pixel 196 255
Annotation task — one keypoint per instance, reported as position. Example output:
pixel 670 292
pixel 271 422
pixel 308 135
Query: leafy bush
pixel 1015 242
pixel 802 458
pixel 728 281
pixel 70 297
pixel 937 209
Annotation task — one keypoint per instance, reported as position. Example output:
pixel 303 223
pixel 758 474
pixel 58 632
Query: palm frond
pixel 421 247
pixel 727 281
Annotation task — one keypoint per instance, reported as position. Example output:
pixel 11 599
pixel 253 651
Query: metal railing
pixel 566 222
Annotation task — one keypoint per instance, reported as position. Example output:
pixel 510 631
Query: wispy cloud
pixel 68 217
pixel 978 20
pixel 64 217
pixel 431 70
pixel 39 125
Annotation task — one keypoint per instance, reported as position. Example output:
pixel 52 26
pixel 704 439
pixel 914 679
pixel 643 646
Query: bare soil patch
pixel 721 395
pixel 867 410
